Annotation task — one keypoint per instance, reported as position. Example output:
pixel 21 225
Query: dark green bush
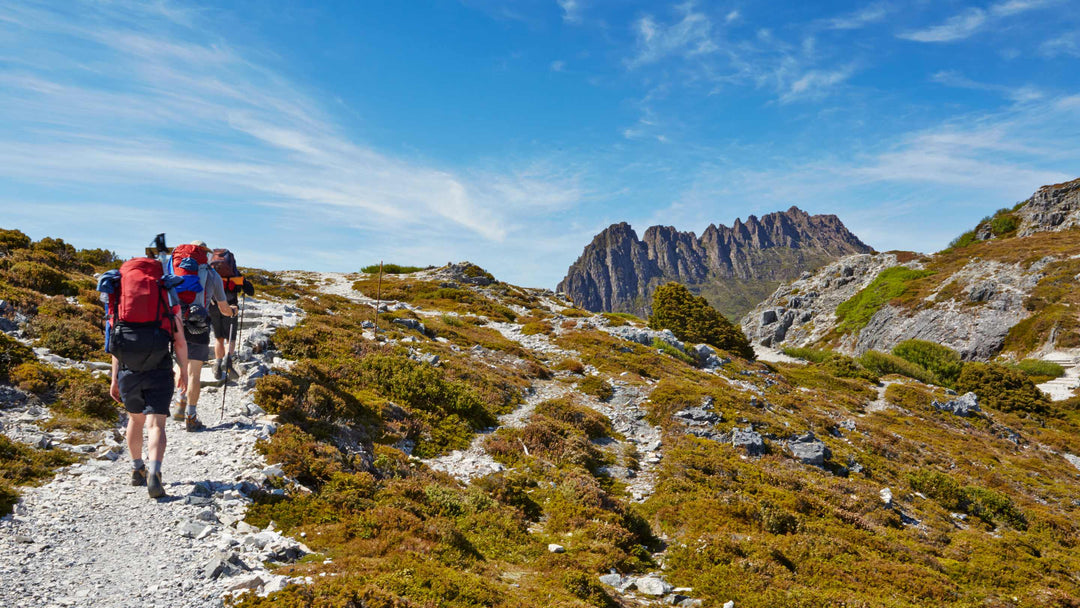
pixel 66 329
pixel 1003 224
pixel 84 395
pixel 943 362
pixel 843 366
pixel 884 364
pixel 692 319
pixel 1002 388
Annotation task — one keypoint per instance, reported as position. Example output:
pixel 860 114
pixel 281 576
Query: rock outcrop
pixel 732 267
pixel 1051 209
pixel 973 300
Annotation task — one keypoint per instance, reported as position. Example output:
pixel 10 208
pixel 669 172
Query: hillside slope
pixel 487 445
pixel 1005 286
pixel 734 268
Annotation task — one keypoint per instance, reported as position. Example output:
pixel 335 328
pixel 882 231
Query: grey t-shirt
pixel 214 290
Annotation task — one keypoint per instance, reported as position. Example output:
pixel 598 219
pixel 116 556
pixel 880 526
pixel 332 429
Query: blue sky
pixel 329 135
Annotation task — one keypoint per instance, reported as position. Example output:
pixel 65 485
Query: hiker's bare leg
pixel 194 382
pixel 156 437
pixel 134 435
pixel 219 348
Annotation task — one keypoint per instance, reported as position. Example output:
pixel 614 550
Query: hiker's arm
pixel 225 309
pixel 180 352
pixel 114 384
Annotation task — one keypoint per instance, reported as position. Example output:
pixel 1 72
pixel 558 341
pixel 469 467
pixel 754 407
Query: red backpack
pixel 139 330
pixel 187 260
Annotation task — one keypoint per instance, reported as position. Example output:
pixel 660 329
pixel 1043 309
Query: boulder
pixel 652 585
pixel 809 450
pixel 748 439
pixel 965 405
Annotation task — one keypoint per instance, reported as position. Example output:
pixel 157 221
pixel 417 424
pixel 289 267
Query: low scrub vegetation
pixel 393 269
pixel 884 364
pixel 1002 388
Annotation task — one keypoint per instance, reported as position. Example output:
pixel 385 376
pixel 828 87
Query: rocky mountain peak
pixel 618 271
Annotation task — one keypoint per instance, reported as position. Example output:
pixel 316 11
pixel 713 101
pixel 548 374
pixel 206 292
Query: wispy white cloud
pixel 1021 94
pixel 816 83
pixel 956 27
pixel 971 21
pixel 690 36
pixel 558 65
pixel 873 13
pixel 573 11
pixel 150 100
pixel 732 16
pixel 1065 45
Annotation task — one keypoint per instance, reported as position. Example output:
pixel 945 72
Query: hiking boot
pixel 181 408
pixel 218 372
pixel 153 486
pixel 138 476
pixel 193 424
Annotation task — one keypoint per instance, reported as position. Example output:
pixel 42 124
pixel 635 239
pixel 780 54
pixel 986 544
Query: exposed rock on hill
pixel 732 267
pixel 1004 285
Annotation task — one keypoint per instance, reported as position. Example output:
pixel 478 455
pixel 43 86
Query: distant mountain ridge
pixel 734 268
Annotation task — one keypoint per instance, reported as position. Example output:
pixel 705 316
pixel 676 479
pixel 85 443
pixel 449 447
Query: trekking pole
pixel 225 386
pixel 378 298
pixel 234 337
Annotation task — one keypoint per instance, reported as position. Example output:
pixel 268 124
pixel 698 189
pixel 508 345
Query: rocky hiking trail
pixel 88 538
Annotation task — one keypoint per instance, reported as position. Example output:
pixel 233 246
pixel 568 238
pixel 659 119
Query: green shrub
pixel 987 505
pixel 310 462
pixel 574 366
pixel 964 240
pixel 12 354
pixel 21 464
pixel 809 354
pixel 584 587
pixel 10 240
pixel 66 330
pixel 843 366
pixel 587 420
pixel 393 269
pixel 941 361
pixel 84 395
pixel 39 277
pixel 597 387
pixel 884 364
pixel 1003 224
pixel 1002 388
pixel 100 259
pixel 533 328
pixel 34 377
pixel 911 397
pixel 853 314
pixel 672 351
pixel 692 319
pixel 1039 368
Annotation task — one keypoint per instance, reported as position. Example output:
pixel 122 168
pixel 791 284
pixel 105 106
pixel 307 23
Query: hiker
pixel 142 315
pixel 201 287
pixel 224 263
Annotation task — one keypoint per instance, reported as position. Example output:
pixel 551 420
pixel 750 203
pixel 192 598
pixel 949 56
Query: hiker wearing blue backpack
pixel 201 288
pixel 225 328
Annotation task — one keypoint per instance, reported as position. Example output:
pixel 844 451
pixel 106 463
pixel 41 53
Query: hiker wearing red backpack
pixel 224 262
pixel 142 327
pixel 199 289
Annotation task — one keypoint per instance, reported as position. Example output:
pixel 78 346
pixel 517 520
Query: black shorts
pixel 148 392
pixel 198 346
pixel 222 325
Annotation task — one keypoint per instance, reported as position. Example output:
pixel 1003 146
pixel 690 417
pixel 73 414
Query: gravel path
pixel 88 538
